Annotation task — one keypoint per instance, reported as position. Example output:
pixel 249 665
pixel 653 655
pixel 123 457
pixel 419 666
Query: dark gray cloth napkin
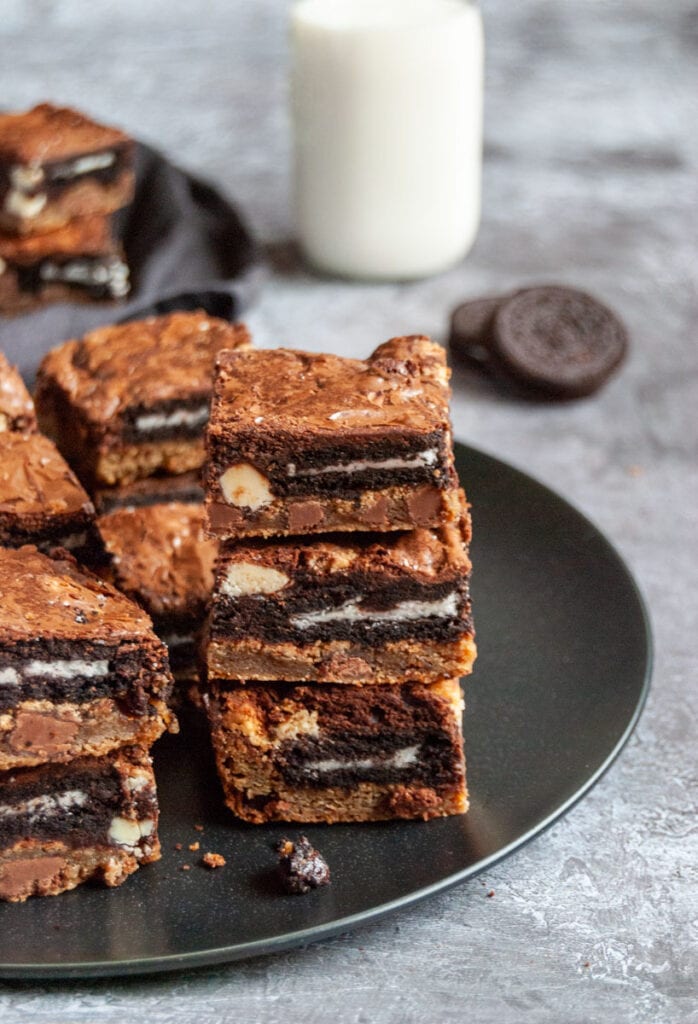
pixel 187 247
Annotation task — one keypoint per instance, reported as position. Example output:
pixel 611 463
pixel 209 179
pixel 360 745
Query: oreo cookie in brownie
pixel 16 406
pixel 151 490
pixel 303 443
pixel 42 502
pixel 92 818
pixel 81 670
pixel 56 164
pixel 339 753
pixel 80 262
pixel 162 559
pixel 129 400
pixel 355 608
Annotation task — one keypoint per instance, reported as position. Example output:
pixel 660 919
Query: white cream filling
pixel 404 611
pixel 111 272
pixel 9 676
pixel 45 806
pixel 400 759
pixel 177 418
pixel 88 164
pixel 428 457
pixel 67 669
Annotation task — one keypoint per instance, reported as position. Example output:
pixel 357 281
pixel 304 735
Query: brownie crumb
pixel 490 894
pixel 301 866
pixel 199 828
pixel 194 847
pixel 213 860
pixel 186 867
pixel 178 846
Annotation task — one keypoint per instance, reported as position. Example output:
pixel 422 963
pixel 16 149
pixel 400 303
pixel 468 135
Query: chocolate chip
pixel 301 866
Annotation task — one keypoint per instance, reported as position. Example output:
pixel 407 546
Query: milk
pixel 387 114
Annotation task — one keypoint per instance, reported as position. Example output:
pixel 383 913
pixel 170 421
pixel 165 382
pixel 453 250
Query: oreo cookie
pixel 551 339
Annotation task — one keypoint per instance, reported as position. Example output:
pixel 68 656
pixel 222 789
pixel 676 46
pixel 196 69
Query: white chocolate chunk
pixel 126 832
pixel 25 178
pixel 245 487
pixel 245 578
pixel 21 205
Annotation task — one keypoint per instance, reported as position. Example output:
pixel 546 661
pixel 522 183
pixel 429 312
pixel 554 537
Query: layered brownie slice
pixel 339 753
pixel 56 164
pixel 81 261
pixel 63 824
pixel 302 443
pixel 132 399
pixel 161 558
pixel 151 490
pixel 42 502
pixel 16 407
pixel 358 608
pixel 81 670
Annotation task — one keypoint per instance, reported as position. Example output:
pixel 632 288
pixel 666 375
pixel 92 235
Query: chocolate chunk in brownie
pixel 93 817
pixel 373 608
pixel 16 406
pixel 306 443
pixel 56 165
pixel 81 261
pixel 42 502
pixel 81 670
pixel 338 753
pixel 132 399
pixel 301 866
pixel 162 559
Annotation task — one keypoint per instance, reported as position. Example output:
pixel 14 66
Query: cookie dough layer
pixel 339 753
pixel 131 400
pixel 61 825
pixel 307 443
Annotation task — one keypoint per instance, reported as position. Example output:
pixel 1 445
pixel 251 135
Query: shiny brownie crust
pixel 16 406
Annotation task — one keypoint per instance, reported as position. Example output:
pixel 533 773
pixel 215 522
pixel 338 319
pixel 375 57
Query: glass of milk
pixel 387 117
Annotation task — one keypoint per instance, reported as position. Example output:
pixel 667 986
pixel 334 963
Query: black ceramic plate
pixel 558 687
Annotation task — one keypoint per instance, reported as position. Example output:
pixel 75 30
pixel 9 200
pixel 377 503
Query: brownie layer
pixel 130 400
pixel 310 437
pixel 339 753
pixel 60 824
pixel 16 407
pixel 153 490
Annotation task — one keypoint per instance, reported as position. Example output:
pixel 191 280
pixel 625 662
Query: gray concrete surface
pixel 590 177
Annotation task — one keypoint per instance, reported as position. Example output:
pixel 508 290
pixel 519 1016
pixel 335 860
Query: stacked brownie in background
pixel 340 620
pixel 62 176
pixel 127 406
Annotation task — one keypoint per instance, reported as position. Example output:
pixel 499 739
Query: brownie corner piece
pixel 57 164
pixel 81 670
pixel 131 400
pixel 305 443
pixel 339 753
pixel 17 411
pixel 42 502
pixel 90 818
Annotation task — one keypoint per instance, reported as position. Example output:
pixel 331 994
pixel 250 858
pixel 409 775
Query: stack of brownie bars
pixel 84 681
pixel 340 619
pixel 62 176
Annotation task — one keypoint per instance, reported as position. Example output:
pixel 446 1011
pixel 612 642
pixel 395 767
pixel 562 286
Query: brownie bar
pixel 16 407
pixel 305 443
pixel 162 559
pixel 78 262
pixel 152 490
pixel 42 502
pixel 62 824
pixel 357 608
pixel 339 753
pixel 56 165
pixel 131 400
pixel 81 671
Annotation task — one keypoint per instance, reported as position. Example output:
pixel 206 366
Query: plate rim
pixel 196 959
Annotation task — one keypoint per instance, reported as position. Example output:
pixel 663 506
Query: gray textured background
pixel 590 177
